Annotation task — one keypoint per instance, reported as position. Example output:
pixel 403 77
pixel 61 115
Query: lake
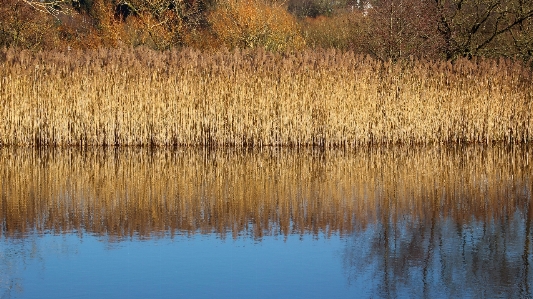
pixel 373 222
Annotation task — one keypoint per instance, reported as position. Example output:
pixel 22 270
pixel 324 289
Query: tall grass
pixel 254 98
pixel 133 192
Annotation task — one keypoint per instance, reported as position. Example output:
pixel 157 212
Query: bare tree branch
pixel 52 7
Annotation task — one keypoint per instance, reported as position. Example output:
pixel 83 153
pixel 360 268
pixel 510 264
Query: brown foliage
pixel 255 23
pixel 385 29
pixel 403 28
pixel 344 30
pixel 22 26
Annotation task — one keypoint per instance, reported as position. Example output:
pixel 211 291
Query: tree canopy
pixel 385 29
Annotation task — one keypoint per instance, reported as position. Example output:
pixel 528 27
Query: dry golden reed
pixel 255 98
pixel 132 192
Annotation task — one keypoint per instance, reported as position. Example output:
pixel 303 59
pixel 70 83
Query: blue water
pixel 201 266
pixel 395 260
pixel 425 223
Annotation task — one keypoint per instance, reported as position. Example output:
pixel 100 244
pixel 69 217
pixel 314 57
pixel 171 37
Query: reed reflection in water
pixel 427 221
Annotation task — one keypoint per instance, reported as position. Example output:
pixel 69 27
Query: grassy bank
pixel 253 98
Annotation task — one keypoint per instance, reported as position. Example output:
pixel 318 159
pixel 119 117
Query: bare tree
pixel 20 26
pixel 403 28
pixel 52 7
pixel 479 27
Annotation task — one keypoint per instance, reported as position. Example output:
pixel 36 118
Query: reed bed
pixel 132 192
pixel 254 99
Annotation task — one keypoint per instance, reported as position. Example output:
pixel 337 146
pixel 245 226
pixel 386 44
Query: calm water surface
pixel 435 222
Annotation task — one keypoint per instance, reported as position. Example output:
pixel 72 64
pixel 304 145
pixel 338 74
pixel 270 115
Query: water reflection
pixel 416 222
pixel 443 258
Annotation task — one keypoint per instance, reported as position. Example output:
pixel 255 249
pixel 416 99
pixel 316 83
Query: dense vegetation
pixel 265 73
pixel 257 98
pixel 385 29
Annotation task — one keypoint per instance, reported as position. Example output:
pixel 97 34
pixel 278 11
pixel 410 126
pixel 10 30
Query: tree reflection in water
pixel 14 253
pixel 449 251
pixel 443 259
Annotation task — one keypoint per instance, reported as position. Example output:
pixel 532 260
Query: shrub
pixel 24 27
pixel 254 23
pixel 310 8
pixel 342 31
